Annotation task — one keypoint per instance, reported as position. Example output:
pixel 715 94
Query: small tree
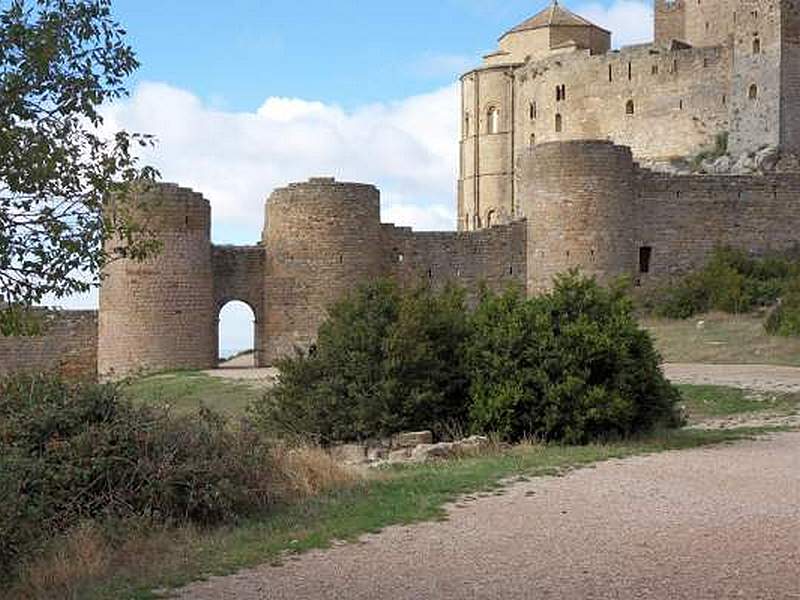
pixel 60 60
pixel 572 365
pixel 385 361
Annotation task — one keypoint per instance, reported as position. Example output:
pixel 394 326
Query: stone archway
pixel 239 277
pixel 237 334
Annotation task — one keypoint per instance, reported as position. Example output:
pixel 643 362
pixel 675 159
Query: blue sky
pixel 244 96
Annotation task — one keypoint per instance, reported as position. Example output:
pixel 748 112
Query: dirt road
pixel 762 378
pixel 721 522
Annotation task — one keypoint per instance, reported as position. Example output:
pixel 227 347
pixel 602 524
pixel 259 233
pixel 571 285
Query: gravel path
pixel 762 378
pixel 720 522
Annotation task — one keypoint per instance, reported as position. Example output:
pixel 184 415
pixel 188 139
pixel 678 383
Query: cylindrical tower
pixel 158 314
pixel 578 198
pixel 486 178
pixel 322 238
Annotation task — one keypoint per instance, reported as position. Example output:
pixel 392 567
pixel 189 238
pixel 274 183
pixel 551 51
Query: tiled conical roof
pixel 553 16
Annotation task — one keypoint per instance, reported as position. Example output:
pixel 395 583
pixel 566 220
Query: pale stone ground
pixel 721 522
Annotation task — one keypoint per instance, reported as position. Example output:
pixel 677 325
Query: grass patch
pixel 722 339
pixel 186 391
pixel 708 401
pixel 395 496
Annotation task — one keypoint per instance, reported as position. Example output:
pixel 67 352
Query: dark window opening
pixel 559 124
pixel 561 92
pixel 629 108
pixel 630 72
pixel 430 273
pixel 532 110
pixel 533 140
pixel 654 70
pixel 675 66
pixel 680 105
pixel 756 46
pixel 645 257
pixel 753 93
pixel 610 73
pixel 186 220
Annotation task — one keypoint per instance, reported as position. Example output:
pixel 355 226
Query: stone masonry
pixel 556 128
pixel 716 67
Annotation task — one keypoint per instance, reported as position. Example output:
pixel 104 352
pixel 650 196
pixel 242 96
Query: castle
pixel 568 154
pixel 716 67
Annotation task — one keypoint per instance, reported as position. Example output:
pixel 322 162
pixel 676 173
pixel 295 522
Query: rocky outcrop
pixel 411 447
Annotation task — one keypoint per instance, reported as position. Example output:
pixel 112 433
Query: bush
pixel 785 318
pixel 731 281
pixel 384 362
pixel 71 453
pixel 571 366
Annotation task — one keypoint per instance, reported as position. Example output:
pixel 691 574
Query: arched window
pixel 489 218
pixel 532 110
pixel 756 46
pixel 493 120
pixel 753 93
pixel 559 124
pixel 629 108
pixel 533 140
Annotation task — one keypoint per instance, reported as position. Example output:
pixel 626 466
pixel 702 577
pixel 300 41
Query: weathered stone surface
pixel 412 439
pixel 67 345
pixel 399 456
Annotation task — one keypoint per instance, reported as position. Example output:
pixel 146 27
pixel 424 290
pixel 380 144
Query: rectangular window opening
pixel 645 257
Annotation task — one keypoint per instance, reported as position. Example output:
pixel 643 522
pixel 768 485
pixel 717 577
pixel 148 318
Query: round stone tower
pixel 578 198
pixel 322 238
pixel 159 314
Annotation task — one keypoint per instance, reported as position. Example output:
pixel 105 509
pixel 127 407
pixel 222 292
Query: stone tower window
pixel 753 93
pixel 559 123
pixel 610 73
pixel 630 71
pixel 756 46
pixel 654 70
pixel 675 66
pixel 629 108
pixel 493 120
pixel 532 110
pixel 533 140
pixel 645 257
pixel 489 218
pixel 561 92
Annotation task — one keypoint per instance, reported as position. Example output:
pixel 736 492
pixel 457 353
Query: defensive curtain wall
pixel 590 206
pixel 321 238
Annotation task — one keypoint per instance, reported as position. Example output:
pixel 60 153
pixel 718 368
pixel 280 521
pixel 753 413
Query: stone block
pixel 411 439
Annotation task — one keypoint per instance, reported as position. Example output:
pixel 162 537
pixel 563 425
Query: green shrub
pixel 70 453
pixel 731 281
pixel 385 361
pixel 571 365
pixel 785 318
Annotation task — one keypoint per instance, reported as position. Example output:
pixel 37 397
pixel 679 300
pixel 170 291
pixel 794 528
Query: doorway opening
pixel 237 336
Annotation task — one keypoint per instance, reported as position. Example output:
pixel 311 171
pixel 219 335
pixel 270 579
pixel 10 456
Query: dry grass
pixel 307 471
pixel 722 339
pixel 85 557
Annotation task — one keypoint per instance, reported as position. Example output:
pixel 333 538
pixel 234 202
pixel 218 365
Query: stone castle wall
pixel 734 69
pixel 580 198
pixel 594 209
pixel 159 313
pixel 67 345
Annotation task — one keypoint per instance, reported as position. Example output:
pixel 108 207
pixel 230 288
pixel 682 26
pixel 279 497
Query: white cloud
pixel 408 148
pixel 630 21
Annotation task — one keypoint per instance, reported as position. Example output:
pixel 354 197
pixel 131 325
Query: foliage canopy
pixel 60 60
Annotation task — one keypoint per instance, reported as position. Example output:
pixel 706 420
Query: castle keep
pixel 572 155
pixel 716 67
